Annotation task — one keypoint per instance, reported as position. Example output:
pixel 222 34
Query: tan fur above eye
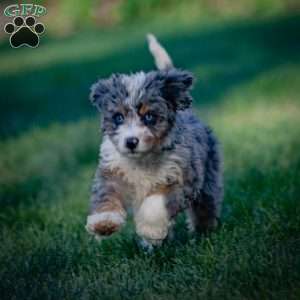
pixel 143 109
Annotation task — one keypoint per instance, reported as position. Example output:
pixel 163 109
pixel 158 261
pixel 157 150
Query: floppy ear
pixel 106 90
pixel 98 92
pixel 174 86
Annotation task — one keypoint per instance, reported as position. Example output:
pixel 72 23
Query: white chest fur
pixel 141 181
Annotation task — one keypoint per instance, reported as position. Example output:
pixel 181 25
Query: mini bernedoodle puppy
pixel 156 157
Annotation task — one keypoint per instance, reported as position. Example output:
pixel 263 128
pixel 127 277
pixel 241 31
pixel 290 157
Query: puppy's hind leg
pixel 204 209
pixel 202 215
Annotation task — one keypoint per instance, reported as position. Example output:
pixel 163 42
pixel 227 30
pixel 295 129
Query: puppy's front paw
pixel 152 219
pixel 104 223
pixel 152 234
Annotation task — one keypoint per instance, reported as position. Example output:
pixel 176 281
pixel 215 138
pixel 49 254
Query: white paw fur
pixel 152 219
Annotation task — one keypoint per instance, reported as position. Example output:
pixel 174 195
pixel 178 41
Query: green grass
pixel 248 91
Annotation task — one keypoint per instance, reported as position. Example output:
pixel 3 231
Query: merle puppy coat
pixel 156 157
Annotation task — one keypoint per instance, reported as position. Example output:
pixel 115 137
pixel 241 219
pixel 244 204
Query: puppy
pixel 156 157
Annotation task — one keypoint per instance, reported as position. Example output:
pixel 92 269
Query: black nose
pixel 132 142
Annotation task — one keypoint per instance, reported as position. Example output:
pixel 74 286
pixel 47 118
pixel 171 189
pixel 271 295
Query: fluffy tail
pixel 161 57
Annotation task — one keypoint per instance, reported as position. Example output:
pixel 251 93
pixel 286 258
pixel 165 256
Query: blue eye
pixel 118 119
pixel 149 119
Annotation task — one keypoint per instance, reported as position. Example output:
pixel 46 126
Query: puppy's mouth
pixel 134 153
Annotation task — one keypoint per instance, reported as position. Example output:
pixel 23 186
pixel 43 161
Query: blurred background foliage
pixel 74 14
pixel 67 16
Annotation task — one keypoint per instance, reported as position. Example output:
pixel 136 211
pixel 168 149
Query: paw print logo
pixel 24 32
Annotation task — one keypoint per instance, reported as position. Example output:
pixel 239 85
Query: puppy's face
pixel 139 127
pixel 138 111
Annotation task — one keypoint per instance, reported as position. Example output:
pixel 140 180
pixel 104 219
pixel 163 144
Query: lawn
pixel 248 87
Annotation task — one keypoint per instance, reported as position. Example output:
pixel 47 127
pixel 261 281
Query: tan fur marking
pixel 112 173
pixel 105 223
pixel 144 109
pixel 112 204
pixel 161 189
pixel 106 227
pixel 150 140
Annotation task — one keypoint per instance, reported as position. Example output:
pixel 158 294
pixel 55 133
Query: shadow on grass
pixel 222 58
